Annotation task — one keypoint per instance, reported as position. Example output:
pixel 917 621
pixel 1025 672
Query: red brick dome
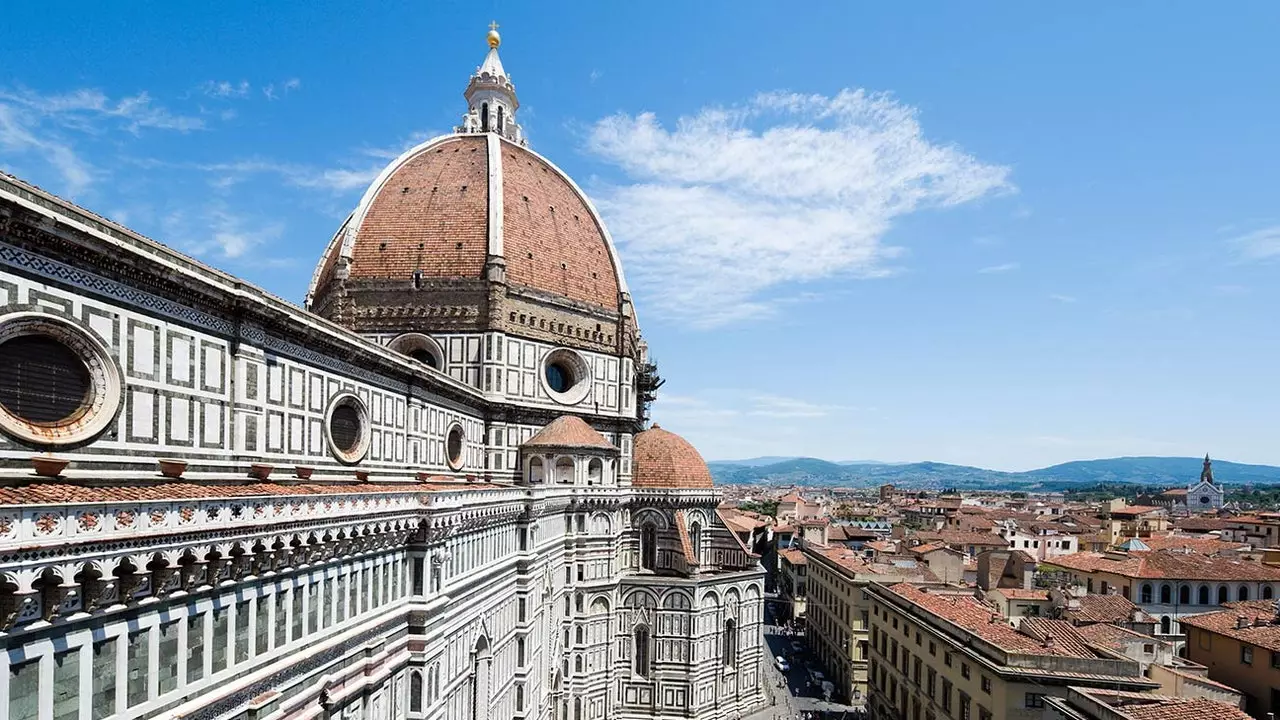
pixel 446 207
pixel 663 459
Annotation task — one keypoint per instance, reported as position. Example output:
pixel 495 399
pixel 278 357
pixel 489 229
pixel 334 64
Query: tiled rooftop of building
pixel 1135 510
pixel 1261 623
pixel 1022 593
pixel 793 556
pixel 855 563
pixel 1101 609
pixel 1113 637
pixel 1144 706
pixel 982 621
pixel 960 538
pixel 1201 545
pixel 1169 564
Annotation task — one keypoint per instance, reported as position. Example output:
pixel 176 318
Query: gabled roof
pixel 1105 608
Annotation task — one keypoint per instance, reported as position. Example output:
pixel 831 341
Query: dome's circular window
pixel 348 428
pixel 566 376
pixel 59 384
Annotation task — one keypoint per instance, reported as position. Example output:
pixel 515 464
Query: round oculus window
pixel 59 385
pixel 348 428
pixel 566 376
pixel 454 446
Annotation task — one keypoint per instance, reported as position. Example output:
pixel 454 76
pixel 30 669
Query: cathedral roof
pixel 568 431
pixel 445 207
pixel 663 459
pixel 475 205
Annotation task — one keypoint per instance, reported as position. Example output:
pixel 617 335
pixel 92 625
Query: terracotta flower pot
pixel 303 472
pixel 260 471
pixel 362 475
pixel 172 468
pixel 423 476
pixel 48 465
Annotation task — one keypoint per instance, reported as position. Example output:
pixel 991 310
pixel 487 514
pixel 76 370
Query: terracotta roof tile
pixel 662 459
pixel 1171 565
pixel 1201 545
pixel 568 431
pixel 1022 593
pixel 1144 706
pixel 977 618
pixel 961 539
pixel 1259 614
pixel 1101 609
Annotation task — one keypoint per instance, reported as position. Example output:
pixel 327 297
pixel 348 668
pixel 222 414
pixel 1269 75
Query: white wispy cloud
pixel 273 91
pixel 1001 268
pixel 218 233
pixel 49 127
pixel 730 203
pixel 1063 298
pixel 1261 244
pixel 226 88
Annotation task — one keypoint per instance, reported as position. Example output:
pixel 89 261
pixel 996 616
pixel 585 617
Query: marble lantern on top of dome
pixel 491 97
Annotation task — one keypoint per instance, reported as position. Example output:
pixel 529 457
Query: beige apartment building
pixel 838 613
pixel 943 654
pixel 1240 645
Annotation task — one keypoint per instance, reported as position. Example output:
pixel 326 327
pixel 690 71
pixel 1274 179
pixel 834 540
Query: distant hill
pixel 1169 471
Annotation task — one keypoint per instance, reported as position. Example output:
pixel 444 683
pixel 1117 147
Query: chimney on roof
pixel 1241 622
pixel 1048 641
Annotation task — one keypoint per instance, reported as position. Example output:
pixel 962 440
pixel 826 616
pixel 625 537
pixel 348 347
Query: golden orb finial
pixel 494 38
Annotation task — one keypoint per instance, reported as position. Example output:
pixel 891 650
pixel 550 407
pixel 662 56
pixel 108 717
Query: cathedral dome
pixel 448 207
pixel 663 459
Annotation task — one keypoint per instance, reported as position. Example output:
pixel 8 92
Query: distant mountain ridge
pixel 1166 471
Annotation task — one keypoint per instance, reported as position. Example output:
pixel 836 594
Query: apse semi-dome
pixel 663 459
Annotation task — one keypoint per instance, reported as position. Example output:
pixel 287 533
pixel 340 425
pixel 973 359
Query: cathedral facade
pixel 430 493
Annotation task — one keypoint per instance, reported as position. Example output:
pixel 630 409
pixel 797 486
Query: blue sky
pixel 1005 235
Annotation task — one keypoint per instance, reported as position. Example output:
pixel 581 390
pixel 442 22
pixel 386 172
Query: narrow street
pixel 797 695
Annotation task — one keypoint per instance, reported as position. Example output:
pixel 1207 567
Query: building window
pixel 66 685
pixel 965 705
pixel 649 547
pixel 1034 700
pixel 640 661
pixel 60 383
pixel 730 643
pixel 1184 595
pixel 415 691
pixel 986 684
pixel 348 428
pixel 455 443
pixel 340 598
pixel 1243 594
pixel 1222 595
pixel 24 690
pixel 1166 625
pixel 136 692
pixel 1246 654
pixel 1166 595
pixel 946 694
pixel 964 670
